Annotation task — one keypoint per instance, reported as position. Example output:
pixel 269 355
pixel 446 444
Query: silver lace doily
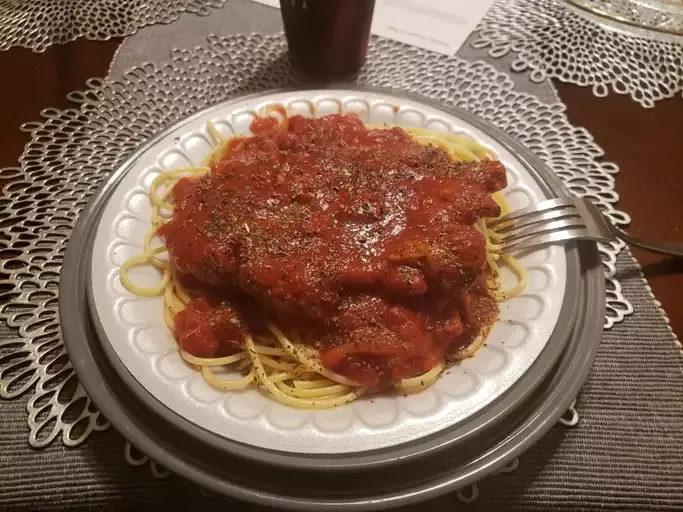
pixel 550 39
pixel 37 24
pixel 661 15
pixel 72 151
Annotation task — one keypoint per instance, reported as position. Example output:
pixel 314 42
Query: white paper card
pixel 272 3
pixel 438 25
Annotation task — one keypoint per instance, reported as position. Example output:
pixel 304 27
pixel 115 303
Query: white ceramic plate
pixel 135 328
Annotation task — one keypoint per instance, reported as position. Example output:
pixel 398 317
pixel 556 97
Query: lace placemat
pixel 37 24
pixel 72 151
pixel 552 39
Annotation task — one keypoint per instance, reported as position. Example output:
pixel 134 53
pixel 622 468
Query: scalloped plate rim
pixel 354 91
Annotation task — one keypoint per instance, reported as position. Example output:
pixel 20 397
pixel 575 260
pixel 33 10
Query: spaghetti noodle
pixel 290 369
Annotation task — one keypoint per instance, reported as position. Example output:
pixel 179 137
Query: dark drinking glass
pixel 328 39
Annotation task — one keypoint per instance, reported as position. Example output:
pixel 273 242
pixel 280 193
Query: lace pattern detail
pixel 552 40
pixel 73 150
pixel 135 457
pixel 37 24
pixel 571 417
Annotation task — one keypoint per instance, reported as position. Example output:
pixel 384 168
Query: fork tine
pixel 595 220
pixel 546 238
pixel 540 228
pixel 549 204
pixel 536 218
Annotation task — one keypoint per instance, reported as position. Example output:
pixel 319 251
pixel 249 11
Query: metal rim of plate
pixel 74 288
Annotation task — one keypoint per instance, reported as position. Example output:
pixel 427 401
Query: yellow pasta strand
pixel 325 403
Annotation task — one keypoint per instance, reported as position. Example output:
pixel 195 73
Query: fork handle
pixel 675 250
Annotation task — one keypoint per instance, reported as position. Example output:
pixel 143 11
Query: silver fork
pixel 562 219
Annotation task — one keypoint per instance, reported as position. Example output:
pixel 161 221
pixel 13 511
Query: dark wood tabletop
pixel 644 143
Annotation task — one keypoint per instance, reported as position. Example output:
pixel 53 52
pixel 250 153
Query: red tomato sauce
pixel 363 239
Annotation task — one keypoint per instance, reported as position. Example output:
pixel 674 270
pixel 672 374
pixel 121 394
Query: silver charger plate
pixel 71 307
pixel 658 15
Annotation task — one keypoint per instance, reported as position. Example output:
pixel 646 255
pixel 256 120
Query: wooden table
pixel 646 144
